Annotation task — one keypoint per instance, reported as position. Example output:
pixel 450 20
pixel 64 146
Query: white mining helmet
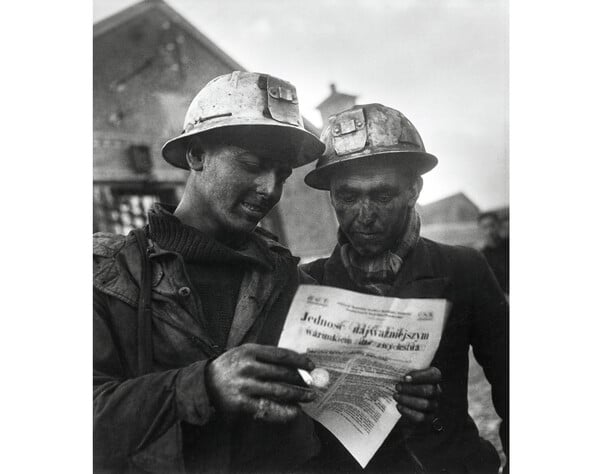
pixel 254 111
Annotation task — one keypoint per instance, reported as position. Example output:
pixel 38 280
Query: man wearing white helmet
pixel 372 167
pixel 187 311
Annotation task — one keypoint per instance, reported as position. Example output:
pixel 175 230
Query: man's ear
pixel 195 158
pixel 414 191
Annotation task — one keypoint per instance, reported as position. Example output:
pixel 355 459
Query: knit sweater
pixel 215 269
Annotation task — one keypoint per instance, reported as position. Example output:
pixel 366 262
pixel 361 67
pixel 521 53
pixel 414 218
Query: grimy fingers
pixel 416 403
pixel 280 392
pixel 413 415
pixel 278 373
pixel 431 375
pixel 268 410
pixel 423 391
pixel 280 356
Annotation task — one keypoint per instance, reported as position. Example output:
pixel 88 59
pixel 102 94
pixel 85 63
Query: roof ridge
pixel 107 24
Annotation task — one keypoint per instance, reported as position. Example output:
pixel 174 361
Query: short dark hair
pixel 485 215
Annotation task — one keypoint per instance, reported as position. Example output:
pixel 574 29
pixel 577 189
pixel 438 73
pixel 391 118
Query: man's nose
pixel 268 184
pixel 366 213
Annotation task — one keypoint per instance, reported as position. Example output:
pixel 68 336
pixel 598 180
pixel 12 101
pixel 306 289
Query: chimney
pixel 336 102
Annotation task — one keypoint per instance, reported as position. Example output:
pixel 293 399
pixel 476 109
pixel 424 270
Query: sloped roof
pixel 335 97
pixel 455 208
pixel 107 24
pixel 130 13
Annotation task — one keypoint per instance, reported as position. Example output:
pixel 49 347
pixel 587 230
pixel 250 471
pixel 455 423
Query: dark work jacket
pixel 498 260
pixel 137 424
pixel 478 318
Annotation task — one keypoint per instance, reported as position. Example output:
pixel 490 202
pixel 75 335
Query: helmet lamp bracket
pixel 349 131
pixel 282 101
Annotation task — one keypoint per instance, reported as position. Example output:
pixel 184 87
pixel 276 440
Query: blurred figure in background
pixel 496 246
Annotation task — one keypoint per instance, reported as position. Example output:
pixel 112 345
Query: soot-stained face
pixel 371 204
pixel 232 189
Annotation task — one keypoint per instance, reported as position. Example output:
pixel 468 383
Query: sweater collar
pixel 171 234
pixel 418 266
pixel 376 274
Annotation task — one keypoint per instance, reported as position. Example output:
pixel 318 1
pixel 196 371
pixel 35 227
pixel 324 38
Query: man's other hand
pixel 417 395
pixel 261 381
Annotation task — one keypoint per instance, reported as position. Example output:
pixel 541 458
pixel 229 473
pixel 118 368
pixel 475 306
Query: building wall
pixel 336 102
pixel 456 233
pixel 452 209
pixel 146 71
pixel 309 221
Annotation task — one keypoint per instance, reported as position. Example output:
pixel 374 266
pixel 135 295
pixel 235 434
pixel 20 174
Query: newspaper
pixel 367 344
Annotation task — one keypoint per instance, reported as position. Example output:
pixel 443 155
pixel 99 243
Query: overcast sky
pixel 443 63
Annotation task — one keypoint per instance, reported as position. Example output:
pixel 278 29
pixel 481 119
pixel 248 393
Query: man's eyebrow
pixel 344 188
pixel 281 165
pixel 386 188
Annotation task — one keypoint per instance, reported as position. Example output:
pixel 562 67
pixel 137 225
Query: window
pixel 121 208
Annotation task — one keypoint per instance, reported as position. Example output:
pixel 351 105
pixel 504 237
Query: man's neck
pixel 193 217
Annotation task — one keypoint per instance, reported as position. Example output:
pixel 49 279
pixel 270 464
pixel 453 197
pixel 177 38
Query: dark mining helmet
pixel 368 134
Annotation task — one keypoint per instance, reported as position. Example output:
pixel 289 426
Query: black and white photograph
pixel 246 151
pixel 307 221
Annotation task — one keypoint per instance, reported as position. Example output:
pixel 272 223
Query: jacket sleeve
pixel 132 412
pixel 305 278
pixel 314 270
pixel 489 337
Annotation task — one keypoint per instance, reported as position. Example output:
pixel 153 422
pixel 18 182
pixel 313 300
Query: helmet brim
pixel 271 139
pixel 414 161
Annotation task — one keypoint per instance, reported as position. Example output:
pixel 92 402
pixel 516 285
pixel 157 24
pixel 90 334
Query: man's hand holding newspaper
pixel 377 351
pixel 417 394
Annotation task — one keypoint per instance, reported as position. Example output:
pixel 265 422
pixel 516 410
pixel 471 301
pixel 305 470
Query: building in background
pixel 451 220
pixel 336 102
pixel 149 62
